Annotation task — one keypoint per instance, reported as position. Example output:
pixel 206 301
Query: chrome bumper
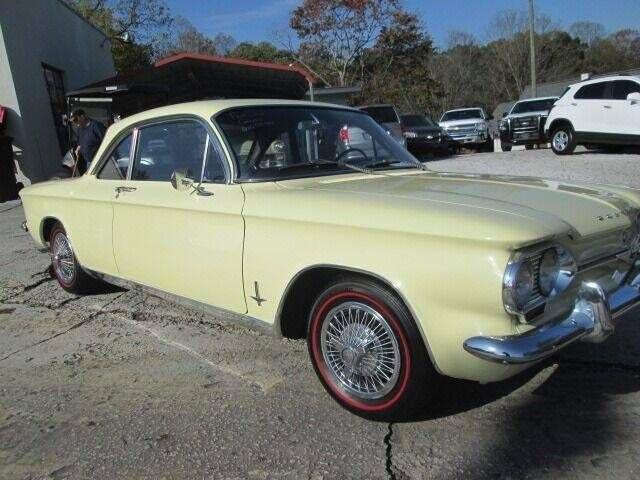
pixel 476 138
pixel 591 320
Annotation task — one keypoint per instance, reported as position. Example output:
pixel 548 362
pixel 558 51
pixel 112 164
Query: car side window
pixel 594 91
pixel 167 147
pixel 621 88
pixel 117 164
pixel 214 167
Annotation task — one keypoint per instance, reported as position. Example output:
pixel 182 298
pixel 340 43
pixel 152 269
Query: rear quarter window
pixel 594 91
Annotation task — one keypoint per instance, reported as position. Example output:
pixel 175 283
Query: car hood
pixel 528 114
pixel 495 204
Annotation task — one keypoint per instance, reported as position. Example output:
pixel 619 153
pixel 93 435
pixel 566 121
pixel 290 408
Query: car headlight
pixel 503 125
pixel 518 286
pixel 410 135
pixel 532 278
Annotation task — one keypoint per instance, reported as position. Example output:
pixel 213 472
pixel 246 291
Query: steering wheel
pixel 349 150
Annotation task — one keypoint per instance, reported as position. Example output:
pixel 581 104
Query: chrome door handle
pixel 121 189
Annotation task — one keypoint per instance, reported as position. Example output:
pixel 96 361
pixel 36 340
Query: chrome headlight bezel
pixel 520 295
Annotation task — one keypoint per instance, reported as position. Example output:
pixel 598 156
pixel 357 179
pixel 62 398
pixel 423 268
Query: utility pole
pixel 532 39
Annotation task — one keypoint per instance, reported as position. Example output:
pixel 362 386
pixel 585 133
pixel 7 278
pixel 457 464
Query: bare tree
pixel 337 32
pixel 224 43
pixel 587 32
pixel 188 39
pixel 557 53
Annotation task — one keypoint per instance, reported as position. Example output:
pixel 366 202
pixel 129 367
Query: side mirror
pixel 180 181
pixel 634 97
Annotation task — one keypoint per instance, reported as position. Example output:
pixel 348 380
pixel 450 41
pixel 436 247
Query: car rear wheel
pixel 65 266
pixel 563 140
pixel 505 147
pixel 366 350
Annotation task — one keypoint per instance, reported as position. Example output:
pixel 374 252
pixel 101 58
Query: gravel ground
pixel 125 385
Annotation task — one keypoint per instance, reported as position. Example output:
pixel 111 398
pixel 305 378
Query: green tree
pixel 619 51
pixel 397 68
pixel 260 52
pixel 137 29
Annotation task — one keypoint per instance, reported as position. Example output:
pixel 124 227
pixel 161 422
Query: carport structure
pixel 190 76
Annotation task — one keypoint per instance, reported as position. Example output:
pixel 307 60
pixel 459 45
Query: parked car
pixel 524 123
pixel 396 275
pixel 469 127
pixel 602 112
pixel 388 117
pixel 423 135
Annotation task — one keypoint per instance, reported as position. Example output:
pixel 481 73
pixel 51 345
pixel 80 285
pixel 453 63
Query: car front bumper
pixel 592 319
pixel 477 138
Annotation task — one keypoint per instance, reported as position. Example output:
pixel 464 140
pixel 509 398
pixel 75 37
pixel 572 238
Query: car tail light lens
pixel 344 134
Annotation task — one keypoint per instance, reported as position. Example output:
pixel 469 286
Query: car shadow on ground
pixel 567 419
pixel 609 151
pixel 571 418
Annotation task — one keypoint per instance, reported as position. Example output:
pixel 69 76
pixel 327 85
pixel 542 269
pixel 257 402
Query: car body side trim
pixel 247 321
pixel 607 138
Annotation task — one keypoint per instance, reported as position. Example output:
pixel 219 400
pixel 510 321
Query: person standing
pixel 90 134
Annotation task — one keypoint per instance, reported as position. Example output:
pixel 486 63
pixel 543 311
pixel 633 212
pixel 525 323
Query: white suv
pixel 596 113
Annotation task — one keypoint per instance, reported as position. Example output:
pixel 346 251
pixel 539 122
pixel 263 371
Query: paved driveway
pixel 125 385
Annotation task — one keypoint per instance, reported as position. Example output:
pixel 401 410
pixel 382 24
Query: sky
pixel 255 20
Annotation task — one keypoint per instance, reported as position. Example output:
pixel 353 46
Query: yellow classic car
pixel 308 220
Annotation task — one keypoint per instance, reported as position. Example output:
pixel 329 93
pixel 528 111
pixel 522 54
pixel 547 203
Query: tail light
pixel 344 134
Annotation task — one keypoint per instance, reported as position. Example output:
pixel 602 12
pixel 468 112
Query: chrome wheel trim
pixel 62 258
pixel 360 350
pixel 561 140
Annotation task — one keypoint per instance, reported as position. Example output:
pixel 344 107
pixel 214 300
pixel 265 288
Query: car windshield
pixel 534 106
pixel 417 121
pixel 278 142
pixel 461 115
pixel 382 114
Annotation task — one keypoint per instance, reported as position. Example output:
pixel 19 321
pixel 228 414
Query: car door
pixel 590 110
pixel 91 231
pixel 625 114
pixel 186 242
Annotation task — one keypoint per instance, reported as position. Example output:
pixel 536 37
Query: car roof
pixel 606 79
pixel 208 108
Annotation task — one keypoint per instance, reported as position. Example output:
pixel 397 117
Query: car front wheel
pixel 563 140
pixel 505 147
pixel 65 266
pixel 366 350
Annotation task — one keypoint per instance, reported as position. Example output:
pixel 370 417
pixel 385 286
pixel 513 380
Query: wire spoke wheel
pixel 62 258
pixel 361 350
